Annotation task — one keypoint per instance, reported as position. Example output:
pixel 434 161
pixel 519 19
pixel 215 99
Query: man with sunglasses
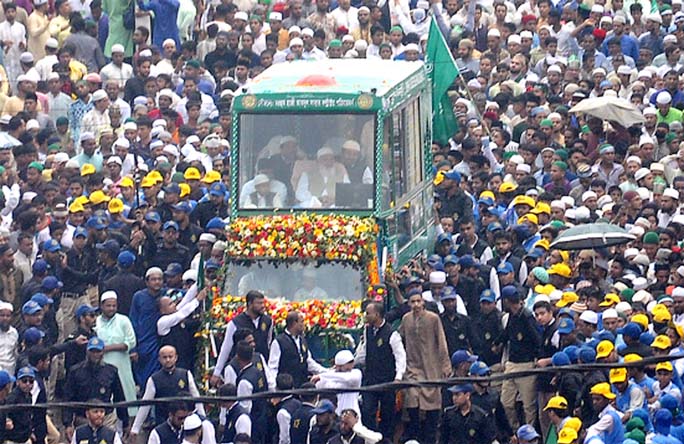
pixel 25 421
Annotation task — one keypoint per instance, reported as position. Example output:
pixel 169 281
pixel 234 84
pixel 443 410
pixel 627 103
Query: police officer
pixel 250 381
pixel 284 408
pixel 95 430
pixel 170 250
pixel 237 416
pixel 255 319
pixel 24 421
pixel 464 422
pixel 188 233
pixel 233 369
pixel 76 350
pixel 488 325
pixel 168 382
pixel 300 423
pixel 290 353
pixel 457 327
pixel 214 207
pixel 382 352
pixel 93 379
pixel 326 426
pixel 169 432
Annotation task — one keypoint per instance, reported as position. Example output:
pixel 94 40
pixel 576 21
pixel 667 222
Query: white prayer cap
pixel 108 295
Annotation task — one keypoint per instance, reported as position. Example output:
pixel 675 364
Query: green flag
pixel 442 71
pixel 200 274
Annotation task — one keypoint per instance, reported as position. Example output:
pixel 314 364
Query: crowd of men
pixel 115 132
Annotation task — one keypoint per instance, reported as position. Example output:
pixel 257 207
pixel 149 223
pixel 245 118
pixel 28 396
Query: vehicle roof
pixel 341 76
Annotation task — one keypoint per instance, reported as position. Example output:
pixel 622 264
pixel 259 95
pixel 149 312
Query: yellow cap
pixel 632 357
pixel 507 187
pixel 98 197
pixel 544 289
pixel 148 182
pixel 602 389
pixel 542 208
pixel 115 206
pixel 567 435
pixel 192 173
pixel 609 300
pixel 561 270
pixel 83 200
pixel 642 320
pixel 569 297
pixel 661 314
pixel 661 342
pixel 126 181
pixel 666 365
pixel 604 348
pixel 185 189
pixel 524 200
pixel 565 256
pixel 542 243
pixel 156 176
pixel 76 207
pixel 573 423
pixel 529 217
pixel 678 328
pixel 211 177
pixel 439 178
pixel 487 193
pixel 557 402
pixel 88 169
pixel 617 375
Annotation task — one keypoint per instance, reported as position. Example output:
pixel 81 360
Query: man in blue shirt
pixel 629 44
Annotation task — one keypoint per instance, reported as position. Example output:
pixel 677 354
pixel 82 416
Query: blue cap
pixel 631 330
pixel 217 189
pixel 662 421
pixel 97 223
pixel 453 175
pixel 324 406
pixel 536 253
pixel 5 378
pixel 451 259
pixel 126 259
pixel 494 226
pixel 527 432
pixel 605 84
pixel 84 309
pixel 171 224
pixel 461 388
pixel 411 280
pixel 173 269
pixel 152 216
pixel 39 266
pixel 647 338
pixel 52 246
pixel 434 259
pixel 50 283
pixel 587 355
pixel 110 246
pixel 487 201
pixel 26 372
pixel 80 232
pixel 95 343
pixel 467 261
pixel 172 188
pixel 669 402
pixel 42 299
pixel 443 237
pixel 560 359
pixel 572 352
pixel 461 356
pixel 211 264
pixel 565 311
pixel 510 292
pixel 216 223
pixel 604 335
pixel 33 335
pixel 183 206
pixel 31 307
pixel 413 292
pixel 448 293
pixel 505 267
pixel 566 326
pixel 479 368
pixel 487 296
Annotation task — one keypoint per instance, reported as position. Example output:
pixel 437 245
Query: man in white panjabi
pixel 316 187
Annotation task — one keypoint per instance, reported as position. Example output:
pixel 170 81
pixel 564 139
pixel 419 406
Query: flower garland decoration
pixel 321 237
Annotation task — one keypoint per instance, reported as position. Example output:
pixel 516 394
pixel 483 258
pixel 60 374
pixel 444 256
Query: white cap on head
pixel 588 195
pixel 118 48
pixel 344 357
pixel 207 237
pixel 610 313
pixel 493 33
pixel 114 159
pixel 154 271
pixel 589 317
pixel 122 142
pixel 624 69
pixel 325 151
pixel 261 179
pixel 275 16
pixel 108 295
pixel 294 29
pixel 32 124
pixel 672 193
pixel 100 94
pixel 310 32
pixel 26 57
pixel 190 275
pixel 523 168
pixel 296 42
pixel 437 277
pixel 514 39
pixel 623 307
pixel 241 15
pixel 52 43
pixel 663 98
pixel 6 306
pixel 193 421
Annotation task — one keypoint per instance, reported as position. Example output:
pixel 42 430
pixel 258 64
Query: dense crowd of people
pixel 115 130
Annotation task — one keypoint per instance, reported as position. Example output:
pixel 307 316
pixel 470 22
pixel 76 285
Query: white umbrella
pixel 614 109
pixel 7 141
